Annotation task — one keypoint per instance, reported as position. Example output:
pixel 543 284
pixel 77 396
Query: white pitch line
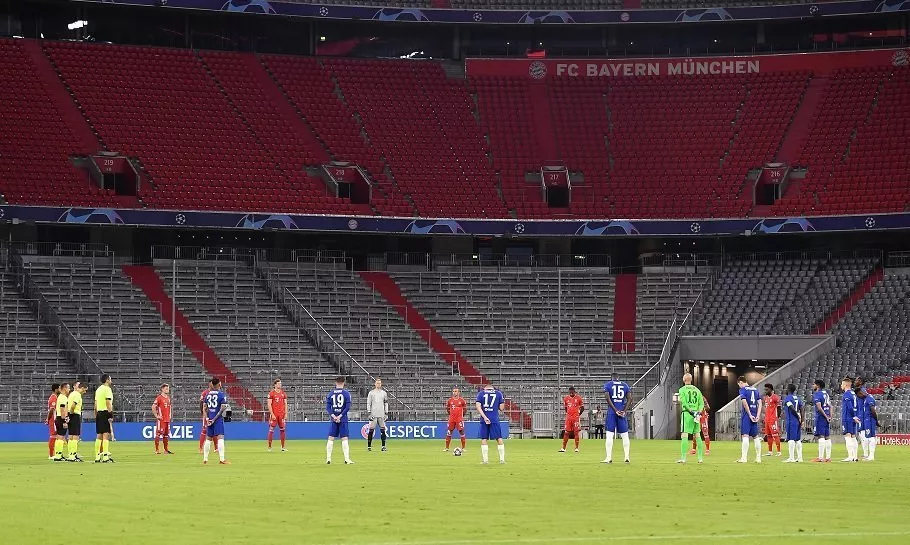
pixel 603 539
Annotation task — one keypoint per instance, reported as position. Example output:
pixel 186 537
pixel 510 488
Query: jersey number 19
pixel 338 401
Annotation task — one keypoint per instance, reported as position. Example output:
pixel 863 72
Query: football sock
pixel 156 442
pixel 799 451
pixel 448 440
pixel 864 443
pixel 97 448
pixel 777 443
pixel 205 451
pixel 707 441
pixel 485 453
pixel 370 437
pixel 166 437
pixel 329 445
pixel 791 450
pixel 871 448
pixel 281 433
pixel 50 446
pixel 270 436
pixel 73 447
pixel 346 450
pixel 221 448
pixel 758 448
pixel 502 452
pixel 626 445
pixel 202 438
pixel 565 441
pixel 821 448
pixel 58 448
pixel 609 444
pixel 382 436
pixel 683 447
pixel 577 440
pixel 745 448
pixel 463 439
pixel 701 447
pixel 694 442
pixel 105 446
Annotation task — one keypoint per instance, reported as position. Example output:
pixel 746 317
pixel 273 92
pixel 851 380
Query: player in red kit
pixel 705 430
pixel 772 414
pixel 574 406
pixel 278 413
pixel 202 409
pixel 455 406
pixel 161 408
pixel 51 413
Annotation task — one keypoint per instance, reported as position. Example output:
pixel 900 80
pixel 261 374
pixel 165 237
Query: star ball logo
pixel 695 227
pixel 2 213
pixel 180 219
pixel 537 70
pixel 901 57
pixel 478 17
pixel 323 11
pixel 870 223
pixel 519 228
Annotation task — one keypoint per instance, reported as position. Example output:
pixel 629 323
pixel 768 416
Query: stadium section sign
pixel 702 66
pixel 144 431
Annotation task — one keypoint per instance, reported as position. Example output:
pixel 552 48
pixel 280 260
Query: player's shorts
pixel 377 422
pixel 822 427
pixel 490 431
pixel 748 427
pixel 688 424
pixel 338 429
pixel 772 428
pixel 794 432
pixel 60 426
pixel 215 429
pixel 163 428
pixel 616 423
pixel 572 425
pixel 456 425
pixel 75 425
pixel 278 422
pixel 103 422
pixel 870 428
pixel 848 426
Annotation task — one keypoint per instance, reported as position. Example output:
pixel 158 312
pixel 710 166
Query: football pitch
pixel 416 494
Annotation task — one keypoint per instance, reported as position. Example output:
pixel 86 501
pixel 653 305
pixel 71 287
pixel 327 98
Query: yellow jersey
pixel 62 403
pixel 102 395
pixel 75 400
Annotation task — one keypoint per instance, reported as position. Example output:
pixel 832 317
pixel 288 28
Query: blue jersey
pixel 861 407
pixel 338 403
pixel 848 407
pixel 214 400
pixel 869 420
pixel 792 405
pixel 490 400
pixel 821 398
pixel 753 398
pixel 618 392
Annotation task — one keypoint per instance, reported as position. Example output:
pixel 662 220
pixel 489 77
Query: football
pixel 457 452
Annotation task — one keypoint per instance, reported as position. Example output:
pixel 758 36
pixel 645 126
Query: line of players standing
pixel 859 420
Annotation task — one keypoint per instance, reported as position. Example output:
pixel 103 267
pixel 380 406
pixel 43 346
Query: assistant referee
pixel 104 416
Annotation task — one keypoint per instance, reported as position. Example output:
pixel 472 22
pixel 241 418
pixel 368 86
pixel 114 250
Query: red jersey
pixel 163 403
pixel 573 406
pixel 279 401
pixel 456 407
pixel 772 403
pixel 52 406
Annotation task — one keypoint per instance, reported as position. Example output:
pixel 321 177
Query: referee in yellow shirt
pixel 104 416
pixel 61 419
pixel 74 410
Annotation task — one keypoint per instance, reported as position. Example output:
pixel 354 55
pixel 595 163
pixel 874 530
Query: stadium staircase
pixel 146 279
pixel 542 119
pixel 383 284
pixel 798 132
pixel 855 296
pixel 624 317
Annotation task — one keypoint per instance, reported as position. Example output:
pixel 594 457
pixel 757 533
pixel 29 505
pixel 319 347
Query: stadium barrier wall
pixel 144 431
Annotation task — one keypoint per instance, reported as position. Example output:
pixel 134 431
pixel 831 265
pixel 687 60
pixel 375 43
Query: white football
pixel 457 451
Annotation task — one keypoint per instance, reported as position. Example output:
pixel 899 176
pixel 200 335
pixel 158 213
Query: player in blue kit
pixel 751 401
pixel 214 404
pixel 618 398
pixel 870 421
pixel 488 403
pixel 850 422
pixel 859 386
pixel 793 424
pixel 337 404
pixel 822 403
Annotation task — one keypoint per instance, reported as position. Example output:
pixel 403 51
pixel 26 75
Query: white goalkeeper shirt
pixel 377 403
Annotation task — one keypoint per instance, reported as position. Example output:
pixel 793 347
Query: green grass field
pixel 416 494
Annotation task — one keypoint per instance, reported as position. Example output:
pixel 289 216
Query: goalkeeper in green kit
pixel 692 403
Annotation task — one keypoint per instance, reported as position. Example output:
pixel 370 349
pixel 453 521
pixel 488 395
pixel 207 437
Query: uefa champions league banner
pixel 145 431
